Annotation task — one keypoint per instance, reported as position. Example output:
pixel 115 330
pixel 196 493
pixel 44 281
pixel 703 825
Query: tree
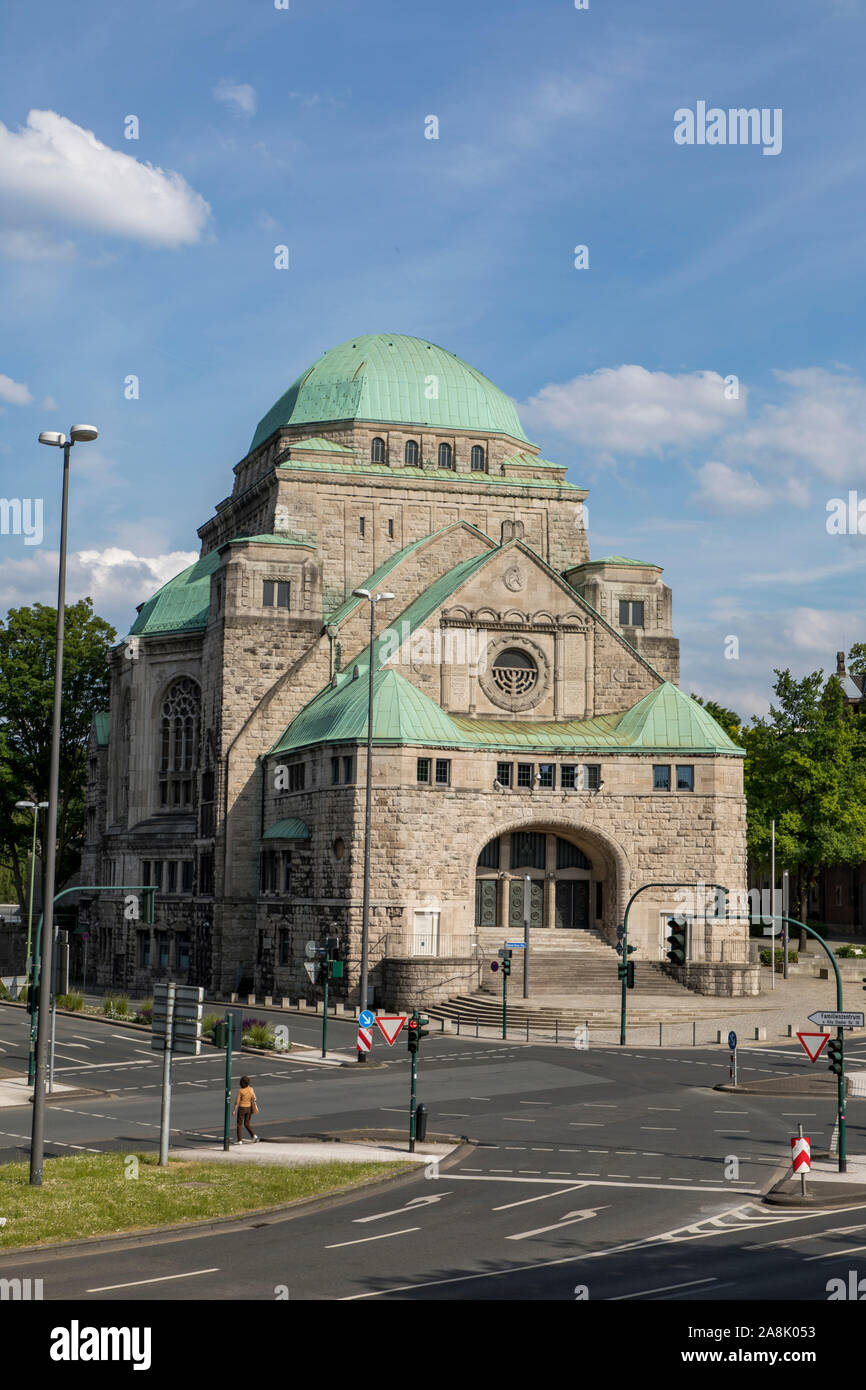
pixel 857 659
pixel 727 718
pixel 806 768
pixel 27 648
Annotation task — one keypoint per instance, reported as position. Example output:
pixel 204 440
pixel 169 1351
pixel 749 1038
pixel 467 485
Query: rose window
pixel 514 673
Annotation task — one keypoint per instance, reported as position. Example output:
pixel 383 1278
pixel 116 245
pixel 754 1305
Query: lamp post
pixel 79 434
pixel 35 807
pixel 372 599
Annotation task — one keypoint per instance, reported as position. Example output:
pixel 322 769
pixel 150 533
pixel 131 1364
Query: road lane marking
pixel 415 1202
pixel 163 1279
pixel 665 1288
pixel 836 1254
pixel 571 1218
pixel 525 1201
pixel 586 1124
pixel 667 1129
pixel 519 1119
pixel 365 1240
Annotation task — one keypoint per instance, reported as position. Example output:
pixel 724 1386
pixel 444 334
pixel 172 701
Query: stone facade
pixel 191 792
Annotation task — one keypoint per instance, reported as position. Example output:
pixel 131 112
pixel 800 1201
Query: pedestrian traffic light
pixel 629 975
pixel 835 1055
pixel 676 940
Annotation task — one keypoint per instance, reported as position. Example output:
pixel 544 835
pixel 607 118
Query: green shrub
pixel 116 1005
pixel 207 1023
pixel 73 1001
pixel 848 952
pixel 145 1012
pixel 793 956
pixel 22 995
pixel 260 1035
pixel 4 993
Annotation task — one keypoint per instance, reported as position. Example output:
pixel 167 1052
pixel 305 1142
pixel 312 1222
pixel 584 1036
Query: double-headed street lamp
pixel 35 807
pixel 372 599
pixel 79 434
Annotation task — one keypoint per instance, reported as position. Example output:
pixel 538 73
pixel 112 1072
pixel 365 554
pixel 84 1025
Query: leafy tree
pixel 728 718
pixel 857 659
pixel 806 768
pixel 27 646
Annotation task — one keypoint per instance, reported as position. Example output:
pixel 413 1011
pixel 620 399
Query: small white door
pixel 426 942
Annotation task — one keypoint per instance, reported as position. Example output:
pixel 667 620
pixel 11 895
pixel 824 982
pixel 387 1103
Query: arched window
pixel 377 450
pixel 410 453
pixel 446 456
pixel 180 717
pixel 477 460
pixel 514 673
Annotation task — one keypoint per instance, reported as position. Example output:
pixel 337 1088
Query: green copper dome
pixel 392 379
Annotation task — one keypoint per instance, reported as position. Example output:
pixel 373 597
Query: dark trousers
pixel 244 1113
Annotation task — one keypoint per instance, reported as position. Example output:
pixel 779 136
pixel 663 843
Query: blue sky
pixel 155 258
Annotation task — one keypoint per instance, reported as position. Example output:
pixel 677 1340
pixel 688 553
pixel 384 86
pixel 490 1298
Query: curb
pixel 159 1235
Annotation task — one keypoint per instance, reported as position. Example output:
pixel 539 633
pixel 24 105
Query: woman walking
pixel 245 1105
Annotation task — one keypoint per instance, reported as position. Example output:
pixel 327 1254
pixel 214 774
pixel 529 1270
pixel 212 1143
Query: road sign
pixel 521 945
pixel 312 969
pixel 732 1040
pixel 825 1018
pixel 494 965
pixel 365 1039
pixel 821 1039
pixel 801 1154
pixel 365 1019
pixel 310 949
pixel 389 1026
pixel 581 1037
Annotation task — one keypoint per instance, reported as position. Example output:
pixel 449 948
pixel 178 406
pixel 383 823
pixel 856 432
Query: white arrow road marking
pixel 416 1202
pixel 571 1218
pixel 386 1236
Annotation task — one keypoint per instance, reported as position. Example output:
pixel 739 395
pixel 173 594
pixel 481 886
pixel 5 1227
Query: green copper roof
pixel 379 575
pixel 393 379
pixel 619 560
pixel 182 604
pixel 444 475
pixel 271 540
pixel 666 722
pixel 318 443
pixel 100 728
pixel 291 829
pixel 524 460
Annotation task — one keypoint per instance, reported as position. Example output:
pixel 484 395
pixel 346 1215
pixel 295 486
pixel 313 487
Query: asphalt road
pixel 617 1171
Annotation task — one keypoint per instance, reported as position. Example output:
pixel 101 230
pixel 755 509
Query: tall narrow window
pixel 390 528
pixel 362 525
pixel 410 453
pixel 179 741
pixel 478 462
pixel 446 456
pixel 377 450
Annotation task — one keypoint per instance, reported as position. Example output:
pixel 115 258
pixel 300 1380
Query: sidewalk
pixel 291 1153
pixel 825 1186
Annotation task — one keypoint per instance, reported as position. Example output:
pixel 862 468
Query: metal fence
pixel 399 945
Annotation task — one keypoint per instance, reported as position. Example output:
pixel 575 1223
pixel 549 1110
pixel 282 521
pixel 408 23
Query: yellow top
pixel 246 1096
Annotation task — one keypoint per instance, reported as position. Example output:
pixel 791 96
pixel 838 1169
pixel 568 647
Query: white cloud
pixel 54 170
pixel 35 244
pixel 14 392
pixel 725 489
pixel 629 410
pixel 821 426
pixel 117 580
pixel 239 95
pixel 824 632
pixel 48 403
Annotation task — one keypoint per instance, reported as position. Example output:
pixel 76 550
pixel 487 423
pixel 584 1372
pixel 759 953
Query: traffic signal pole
pixel 227 1120
pixel 643 888
pixel 414 1061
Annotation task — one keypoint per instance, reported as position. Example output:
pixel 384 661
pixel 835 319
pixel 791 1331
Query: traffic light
pixel 629 975
pixel 422 1027
pixel 835 1055
pixel 676 941
pixel 622 971
pixel 412 1034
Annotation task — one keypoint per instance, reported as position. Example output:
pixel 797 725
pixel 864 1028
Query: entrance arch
pixel 572 882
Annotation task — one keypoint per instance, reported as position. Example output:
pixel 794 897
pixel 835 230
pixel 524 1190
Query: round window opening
pixel 515 673
pixel 339 848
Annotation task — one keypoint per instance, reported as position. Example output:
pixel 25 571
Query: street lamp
pixel 79 434
pixel 365 911
pixel 35 807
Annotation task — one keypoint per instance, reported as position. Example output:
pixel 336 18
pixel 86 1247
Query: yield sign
pixel 813 1056
pixel 390 1025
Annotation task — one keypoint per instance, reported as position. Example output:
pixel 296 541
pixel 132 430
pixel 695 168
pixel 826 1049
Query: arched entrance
pixel 567 887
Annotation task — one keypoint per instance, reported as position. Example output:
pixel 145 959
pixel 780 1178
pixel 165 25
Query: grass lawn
pixel 106 1193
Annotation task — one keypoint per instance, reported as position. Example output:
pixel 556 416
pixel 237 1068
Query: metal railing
pixel 437 946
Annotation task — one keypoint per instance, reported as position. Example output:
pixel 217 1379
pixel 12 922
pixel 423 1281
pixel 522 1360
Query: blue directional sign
pixel 521 945
pixel 366 1019
pixel 732 1040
